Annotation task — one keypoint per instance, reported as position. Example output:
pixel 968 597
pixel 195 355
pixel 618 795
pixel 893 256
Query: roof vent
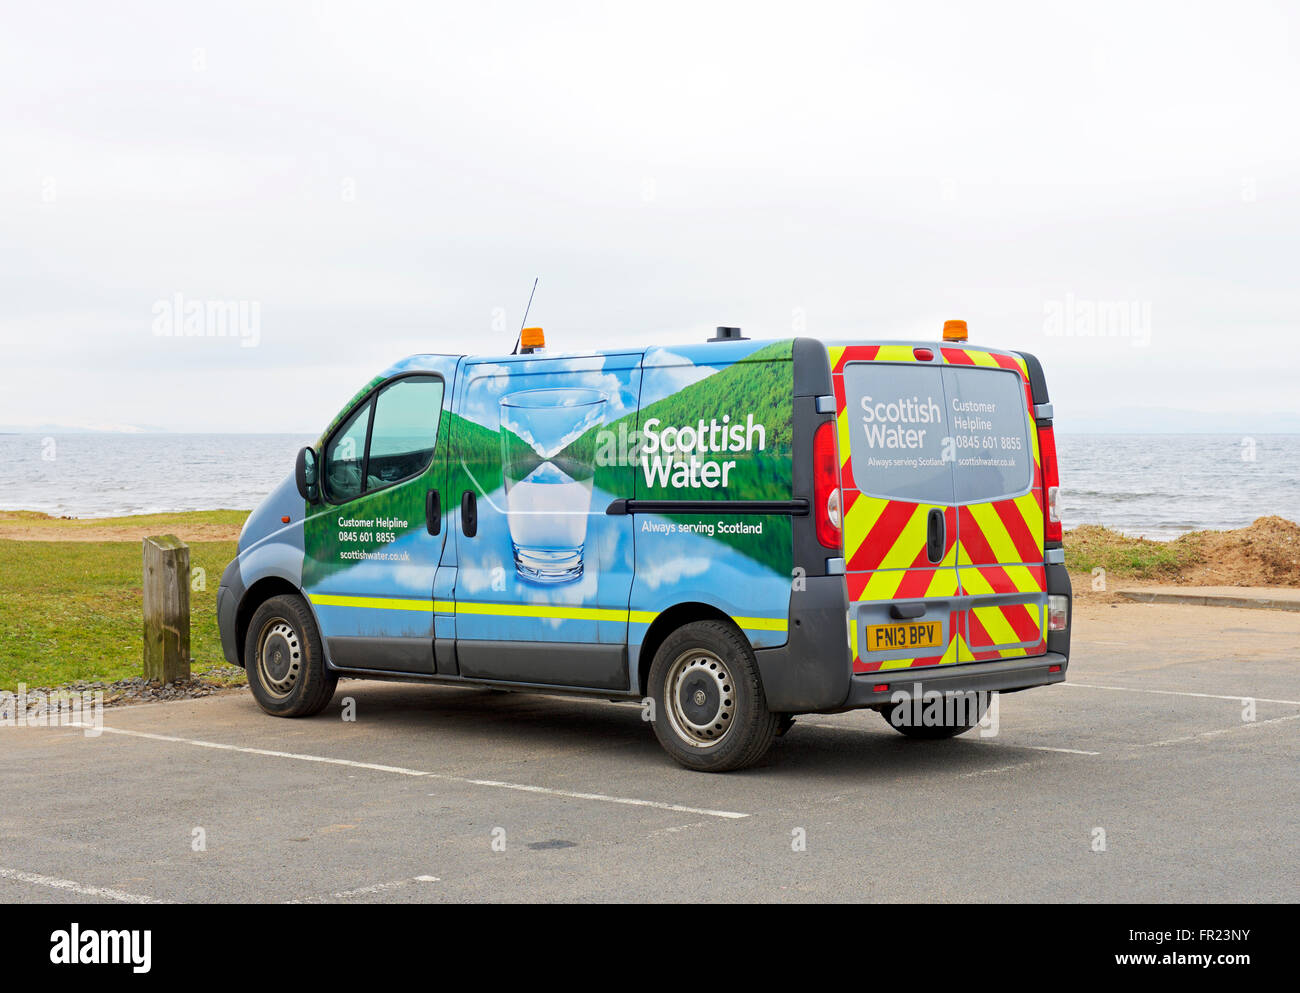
pixel 728 334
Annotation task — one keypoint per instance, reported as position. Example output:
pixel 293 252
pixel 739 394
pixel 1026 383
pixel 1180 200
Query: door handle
pixel 906 611
pixel 433 511
pixel 468 514
pixel 935 537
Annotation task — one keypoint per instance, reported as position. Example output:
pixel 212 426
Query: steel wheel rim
pixel 700 698
pixel 279 657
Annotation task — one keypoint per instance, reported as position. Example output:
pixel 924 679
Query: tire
pixel 284 660
pixel 902 719
pixel 716 719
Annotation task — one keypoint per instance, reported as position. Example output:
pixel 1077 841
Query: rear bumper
pixel 812 671
pixel 1001 675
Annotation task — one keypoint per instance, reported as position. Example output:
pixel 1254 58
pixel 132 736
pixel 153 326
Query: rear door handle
pixel 906 611
pixel 469 514
pixel 935 537
pixel 433 511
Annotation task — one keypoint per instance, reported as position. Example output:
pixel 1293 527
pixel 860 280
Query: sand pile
pixel 1267 553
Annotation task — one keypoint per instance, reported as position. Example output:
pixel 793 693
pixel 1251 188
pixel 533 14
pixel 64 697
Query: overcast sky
pixel 372 180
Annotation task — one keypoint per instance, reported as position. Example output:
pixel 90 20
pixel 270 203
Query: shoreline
pixel 1264 553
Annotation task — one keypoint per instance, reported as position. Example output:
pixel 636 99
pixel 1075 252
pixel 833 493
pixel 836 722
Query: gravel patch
pixel 122 692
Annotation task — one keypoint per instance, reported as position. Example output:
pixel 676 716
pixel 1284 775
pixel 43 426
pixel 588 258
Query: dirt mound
pixel 1267 553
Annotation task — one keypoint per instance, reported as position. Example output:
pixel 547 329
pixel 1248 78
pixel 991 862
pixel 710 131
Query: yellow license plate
pixel 894 637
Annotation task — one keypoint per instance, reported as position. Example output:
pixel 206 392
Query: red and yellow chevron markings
pixel 994 548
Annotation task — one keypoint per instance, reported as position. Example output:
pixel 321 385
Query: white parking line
pixel 629 801
pixel 401 771
pixel 368 890
pixel 1219 731
pixel 1005 744
pixel 1002 768
pixel 677 829
pixel 1239 698
pixel 1039 748
pixel 98 892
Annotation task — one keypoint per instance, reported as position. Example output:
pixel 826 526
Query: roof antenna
pixel 515 351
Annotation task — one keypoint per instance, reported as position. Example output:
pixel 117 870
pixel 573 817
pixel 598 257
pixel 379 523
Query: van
pixel 731 533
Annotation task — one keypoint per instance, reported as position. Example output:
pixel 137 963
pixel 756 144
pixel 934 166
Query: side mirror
pixel 305 473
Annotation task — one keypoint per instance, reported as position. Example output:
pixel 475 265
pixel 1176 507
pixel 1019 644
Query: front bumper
pixel 1001 675
pixel 229 593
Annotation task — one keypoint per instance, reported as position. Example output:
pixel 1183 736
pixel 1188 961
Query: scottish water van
pixel 733 533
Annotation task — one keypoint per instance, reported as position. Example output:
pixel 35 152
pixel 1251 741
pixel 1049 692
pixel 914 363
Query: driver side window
pixel 345 457
pixel 405 416
pixel 406 427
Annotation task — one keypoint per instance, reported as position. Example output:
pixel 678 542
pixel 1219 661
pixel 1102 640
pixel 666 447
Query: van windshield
pixel 937 434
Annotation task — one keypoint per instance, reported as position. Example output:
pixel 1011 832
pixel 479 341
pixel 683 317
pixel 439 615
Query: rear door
pixel 998 485
pixel 943 505
pixel 900 518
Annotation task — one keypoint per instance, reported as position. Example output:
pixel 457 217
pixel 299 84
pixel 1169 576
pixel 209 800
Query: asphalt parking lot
pixel 1138 780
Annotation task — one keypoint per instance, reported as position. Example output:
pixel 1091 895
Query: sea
pixel 1155 485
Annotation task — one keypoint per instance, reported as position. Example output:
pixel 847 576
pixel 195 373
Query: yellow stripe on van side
pixel 761 623
pixel 541 610
pixel 375 602
pixel 522 610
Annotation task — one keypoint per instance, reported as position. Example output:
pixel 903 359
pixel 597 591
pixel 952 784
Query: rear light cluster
pixel 1058 613
pixel 827 509
pixel 1051 483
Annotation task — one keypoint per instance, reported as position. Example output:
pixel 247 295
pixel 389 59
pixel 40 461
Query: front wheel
pixel 284 661
pixel 710 713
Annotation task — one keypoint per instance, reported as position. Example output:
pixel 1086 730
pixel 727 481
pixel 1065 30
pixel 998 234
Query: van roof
pixel 694 353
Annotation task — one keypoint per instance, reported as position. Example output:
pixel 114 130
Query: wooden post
pixel 166 608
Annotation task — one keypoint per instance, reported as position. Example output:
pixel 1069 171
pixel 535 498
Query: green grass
pixel 159 522
pixel 72 609
pixel 1091 547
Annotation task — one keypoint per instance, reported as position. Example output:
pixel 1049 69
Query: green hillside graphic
pixel 760 385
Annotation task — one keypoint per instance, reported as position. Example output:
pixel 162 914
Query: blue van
pixel 734 532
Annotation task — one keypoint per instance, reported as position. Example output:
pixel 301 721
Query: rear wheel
pixel 913 721
pixel 710 713
pixel 283 659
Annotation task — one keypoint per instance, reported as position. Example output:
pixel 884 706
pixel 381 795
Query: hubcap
pixel 700 697
pixel 279 657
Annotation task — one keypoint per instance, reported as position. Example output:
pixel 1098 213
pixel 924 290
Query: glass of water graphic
pixel 548 447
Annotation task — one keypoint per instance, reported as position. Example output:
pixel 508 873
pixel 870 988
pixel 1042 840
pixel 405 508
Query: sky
pixel 318 189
